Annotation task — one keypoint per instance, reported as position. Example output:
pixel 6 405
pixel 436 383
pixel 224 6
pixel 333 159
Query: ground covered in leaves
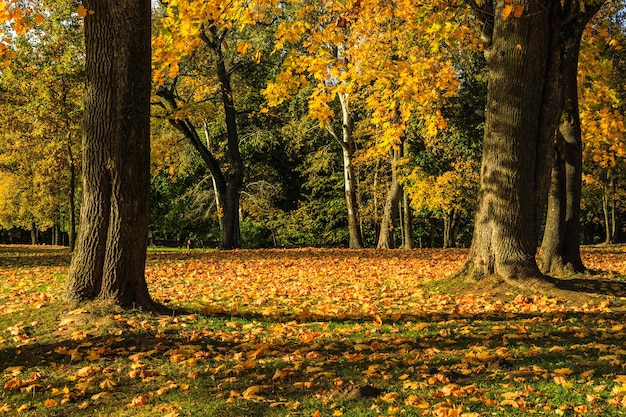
pixel 312 333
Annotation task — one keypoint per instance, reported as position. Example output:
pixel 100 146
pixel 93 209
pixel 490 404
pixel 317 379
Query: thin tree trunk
pixel 33 233
pixel 386 238
pixel 71 196
pixel 110 255
pixel 608 238
pixel 450 228
pixel 346 142
pixel 408 240
pixel 231 233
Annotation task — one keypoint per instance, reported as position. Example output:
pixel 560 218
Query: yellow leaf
pixel 251 393
pixel 101 396
pixel 107 384
pixel 20 410
pixel 563 371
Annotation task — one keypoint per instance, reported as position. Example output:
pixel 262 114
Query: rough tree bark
pixel 110 255
pixel 560 248
pixel 523 59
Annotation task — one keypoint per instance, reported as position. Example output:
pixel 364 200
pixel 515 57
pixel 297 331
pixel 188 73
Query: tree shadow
pixel 590 285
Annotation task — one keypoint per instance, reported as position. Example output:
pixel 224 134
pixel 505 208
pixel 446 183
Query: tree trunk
pixel 230 232
pixel 608 236
pixel 408 239
pixel 110 255
pixel 450 228
pixel 386 238
pixel 33 233
pixel 522 115
pixel 72 197
pixel 347 143
pixel 560 248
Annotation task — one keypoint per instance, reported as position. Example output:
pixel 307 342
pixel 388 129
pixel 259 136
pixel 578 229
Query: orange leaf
pixel 139 401
pixel 81 11
pixel 506 12
pixel 518 11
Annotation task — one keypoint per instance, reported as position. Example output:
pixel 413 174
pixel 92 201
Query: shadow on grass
pixel 591 285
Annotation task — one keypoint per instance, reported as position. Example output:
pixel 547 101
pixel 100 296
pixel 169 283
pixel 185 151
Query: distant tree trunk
pixel 33 233
pixel 347 144
pixel 450 228
pixel 608 224
pixel 54 238
pixel 72 197
pixel 110 255
pixel 408 240
pixel 386 238
pixel 560 248
pixel 523 57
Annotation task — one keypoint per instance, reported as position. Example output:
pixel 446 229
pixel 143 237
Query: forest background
pixel 344 127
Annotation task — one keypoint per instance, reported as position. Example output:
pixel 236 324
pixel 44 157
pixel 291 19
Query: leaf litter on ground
pixel 308 332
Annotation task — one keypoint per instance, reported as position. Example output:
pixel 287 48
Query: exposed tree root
pixel 468 280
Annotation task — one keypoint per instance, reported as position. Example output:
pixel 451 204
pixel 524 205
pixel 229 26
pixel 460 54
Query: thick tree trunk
pixel 110 256
pixel 386 238
pixel 522 115
pixel 560 248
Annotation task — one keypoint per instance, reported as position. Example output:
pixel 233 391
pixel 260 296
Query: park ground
pixel 312 332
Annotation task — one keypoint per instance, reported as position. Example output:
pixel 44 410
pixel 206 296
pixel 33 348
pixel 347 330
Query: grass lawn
pixel 311 332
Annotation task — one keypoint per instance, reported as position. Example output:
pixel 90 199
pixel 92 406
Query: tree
pixel 602 98
pixel 379 60
pixel 41 99
pixel 187 28
pixel 109 260
pixel 522 49
pixel 560 248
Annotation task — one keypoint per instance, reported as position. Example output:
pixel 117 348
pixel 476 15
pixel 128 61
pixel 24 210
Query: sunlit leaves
pixel 179 30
